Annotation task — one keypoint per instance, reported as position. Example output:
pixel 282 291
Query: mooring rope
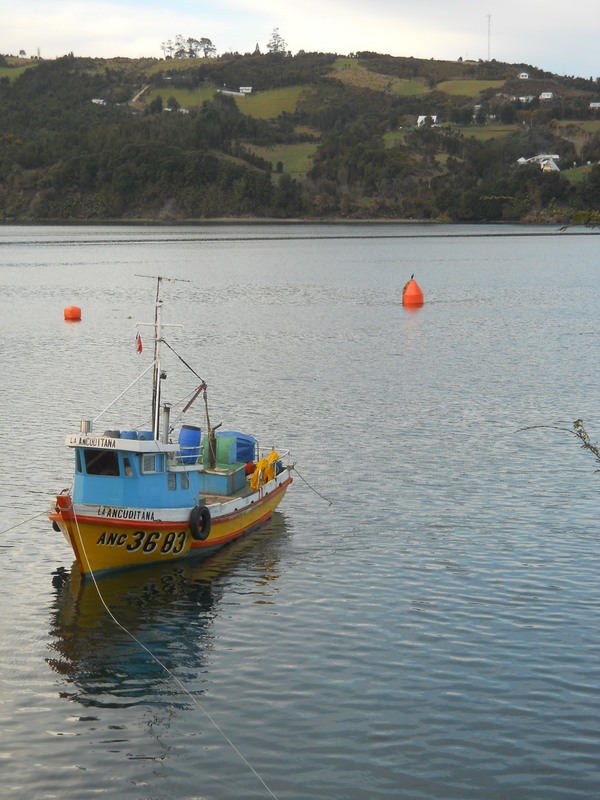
pixel 312 488
pixel 174 677
pixel 23 522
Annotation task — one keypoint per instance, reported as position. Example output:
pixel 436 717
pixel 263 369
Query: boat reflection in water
pixel 169 608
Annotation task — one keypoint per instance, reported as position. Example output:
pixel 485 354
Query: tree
pixel 180 48
pixel 168 48
pixel 207 47
pixel 156 106
pixel 188 48
pixel 507 113
pixel 276 43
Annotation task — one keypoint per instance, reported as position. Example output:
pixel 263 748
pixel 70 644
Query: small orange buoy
pixel 412 296
pixel 73 313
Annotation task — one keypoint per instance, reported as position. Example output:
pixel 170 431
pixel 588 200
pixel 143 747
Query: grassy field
pixel 483 133
pixel 407 88
pixel 13 72
pixel 576 174
pixel 486 132
pixel 186 98
pixel 588 126
pixel 172 65
pixel 350 71
pixel 392 138
pixel 296 158
pixel 270 104
pixel 263 105
pixel 467 88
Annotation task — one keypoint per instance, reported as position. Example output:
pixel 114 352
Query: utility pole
pixel 489 18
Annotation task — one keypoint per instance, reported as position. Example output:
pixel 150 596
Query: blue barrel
pixel 189 443
pixel 145 436
pixel 128 435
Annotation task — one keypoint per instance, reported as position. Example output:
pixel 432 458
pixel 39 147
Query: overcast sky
pixel 555 36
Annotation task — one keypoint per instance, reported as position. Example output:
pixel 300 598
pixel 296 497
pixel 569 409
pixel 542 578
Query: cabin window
pixel 185 480
pixel 151 463
pixel 101 462
pixel 127 468
pixel 171 481
pixel 78 461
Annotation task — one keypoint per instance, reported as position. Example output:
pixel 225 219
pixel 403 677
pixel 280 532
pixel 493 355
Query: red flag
pixel 138 343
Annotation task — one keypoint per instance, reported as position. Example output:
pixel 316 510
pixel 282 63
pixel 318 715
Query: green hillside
pixel 469 88
pixel 312 136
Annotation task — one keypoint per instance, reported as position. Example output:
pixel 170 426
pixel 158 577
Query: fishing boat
pixel 145 496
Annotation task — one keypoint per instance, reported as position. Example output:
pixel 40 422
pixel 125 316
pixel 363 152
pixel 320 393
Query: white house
pixel 550 166
pixel 422 119
pixel 595 105
pixel 547 96
pixel 542 157
pixel 523 76
pixel 547 161
pixel 245 90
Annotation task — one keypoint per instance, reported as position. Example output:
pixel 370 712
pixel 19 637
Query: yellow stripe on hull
pixel 224 529
pixel 102 544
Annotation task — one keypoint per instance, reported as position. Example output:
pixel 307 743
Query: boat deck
pixel 239 494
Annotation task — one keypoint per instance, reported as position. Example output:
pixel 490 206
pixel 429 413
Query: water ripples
pixel 432 633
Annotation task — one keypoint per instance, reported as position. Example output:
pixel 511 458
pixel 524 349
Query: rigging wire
pixel 183 361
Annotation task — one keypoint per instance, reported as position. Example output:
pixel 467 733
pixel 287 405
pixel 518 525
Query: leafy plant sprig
pixel 578 430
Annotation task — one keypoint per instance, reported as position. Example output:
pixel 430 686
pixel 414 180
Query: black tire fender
pixel 200 522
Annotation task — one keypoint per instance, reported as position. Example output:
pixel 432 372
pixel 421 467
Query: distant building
pixel 594 105
pixel 421 120
pixel 523 76
pixel 550 166
pixel 245 90
pixel 523 98
pixel 547 96
pixel 546 161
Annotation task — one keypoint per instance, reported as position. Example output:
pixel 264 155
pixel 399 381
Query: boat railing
pixel 281 454
pixel 181 461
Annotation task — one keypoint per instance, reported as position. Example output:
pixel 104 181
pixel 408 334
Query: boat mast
pixel 157 375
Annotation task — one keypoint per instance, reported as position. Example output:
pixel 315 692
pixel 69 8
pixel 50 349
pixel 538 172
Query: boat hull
pixel 107 540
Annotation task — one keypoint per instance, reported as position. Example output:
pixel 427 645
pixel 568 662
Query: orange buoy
pixel 412 296
pixel 73 313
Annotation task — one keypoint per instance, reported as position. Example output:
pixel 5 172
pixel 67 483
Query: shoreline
pixel 224 221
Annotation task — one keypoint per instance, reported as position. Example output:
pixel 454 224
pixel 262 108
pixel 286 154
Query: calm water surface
pixel 433 633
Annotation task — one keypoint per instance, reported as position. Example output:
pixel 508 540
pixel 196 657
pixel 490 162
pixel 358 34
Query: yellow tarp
pixel 267 466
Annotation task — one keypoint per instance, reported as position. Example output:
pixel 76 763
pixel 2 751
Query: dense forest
pixel 382 138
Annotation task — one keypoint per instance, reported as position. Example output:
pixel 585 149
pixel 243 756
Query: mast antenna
pixel 158 375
